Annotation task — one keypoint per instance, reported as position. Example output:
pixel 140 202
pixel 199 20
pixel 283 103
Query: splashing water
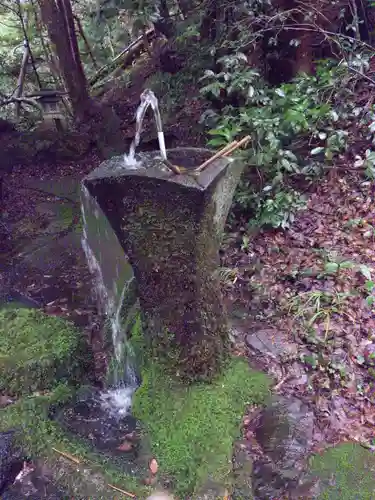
pixel 118 398
pixel 148 99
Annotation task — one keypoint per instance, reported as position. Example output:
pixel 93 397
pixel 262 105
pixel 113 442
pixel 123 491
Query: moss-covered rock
pixel 346 471
pixel 192 428
pixel 37 350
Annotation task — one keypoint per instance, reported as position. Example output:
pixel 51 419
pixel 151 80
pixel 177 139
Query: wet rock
pixel 211 490
pixel 90 420
pixel 17 299
pixel 9 458
pixel 173 287
pixel 242 472
pixel 284 432
pixel 33 483
pixel 272 343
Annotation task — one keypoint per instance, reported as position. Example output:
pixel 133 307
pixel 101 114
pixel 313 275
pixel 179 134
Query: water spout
pixel 148 98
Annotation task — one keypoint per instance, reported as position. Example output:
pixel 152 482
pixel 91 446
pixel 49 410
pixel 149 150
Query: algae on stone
pixel 346 471
pixel 37 351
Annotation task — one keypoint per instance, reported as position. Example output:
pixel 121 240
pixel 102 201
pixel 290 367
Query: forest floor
pixel 300 298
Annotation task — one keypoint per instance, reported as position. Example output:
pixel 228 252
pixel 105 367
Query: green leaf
pixel 217 141
pixel 316 151
pixel 331 267
pixel 347 264
pixel 365 271
pixel 219 131
pixel 280 92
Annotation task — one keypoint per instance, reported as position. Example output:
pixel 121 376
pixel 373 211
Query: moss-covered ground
pixel 39 435
pixel 192 428
pixel 37 350
pixel 346 472
pixel 41 363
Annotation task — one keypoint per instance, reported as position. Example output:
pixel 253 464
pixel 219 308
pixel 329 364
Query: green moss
pixel 36 351
pixel 66 214
pixel 346 472
pixel 38 435
pixel 192 428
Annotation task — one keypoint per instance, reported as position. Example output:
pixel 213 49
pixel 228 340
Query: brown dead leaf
pixel 125 446
pixel 154 466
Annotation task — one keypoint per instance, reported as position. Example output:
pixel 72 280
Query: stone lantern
pixel 50 101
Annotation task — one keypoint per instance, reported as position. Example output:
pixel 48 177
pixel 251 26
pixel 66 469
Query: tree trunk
pixel 85 41
pixel 215 20
pixel 165 25
pixel 185 6
pixel 102 123
pixel 146 43
pixel 21 78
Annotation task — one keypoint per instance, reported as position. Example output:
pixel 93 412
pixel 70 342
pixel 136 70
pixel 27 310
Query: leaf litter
pixel 314 285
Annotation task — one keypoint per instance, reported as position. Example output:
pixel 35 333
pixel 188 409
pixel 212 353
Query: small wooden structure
pixel 50 101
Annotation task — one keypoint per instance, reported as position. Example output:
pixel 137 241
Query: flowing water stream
pixel 112 272
pixel 148 99
pixel 113 279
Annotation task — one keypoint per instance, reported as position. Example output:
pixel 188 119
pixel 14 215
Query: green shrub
pixel 296 129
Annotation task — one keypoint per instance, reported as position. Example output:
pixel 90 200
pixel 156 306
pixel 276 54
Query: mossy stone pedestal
pixel 170 227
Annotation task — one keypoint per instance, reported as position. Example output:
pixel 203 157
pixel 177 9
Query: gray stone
pixel 284 432
pixel 8 457
pixel 242 473
pixel 171 226
pixel 272 343
pixel 36 482
pixel 211 490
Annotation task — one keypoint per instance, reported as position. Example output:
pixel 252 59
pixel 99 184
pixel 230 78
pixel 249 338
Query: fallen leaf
pixel 154 466
pixel 125 446
pixel 246 421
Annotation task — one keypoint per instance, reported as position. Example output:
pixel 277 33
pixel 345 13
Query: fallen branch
pixel 130 495
pixel 129 50
pixel 26 100
pixel 67 455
